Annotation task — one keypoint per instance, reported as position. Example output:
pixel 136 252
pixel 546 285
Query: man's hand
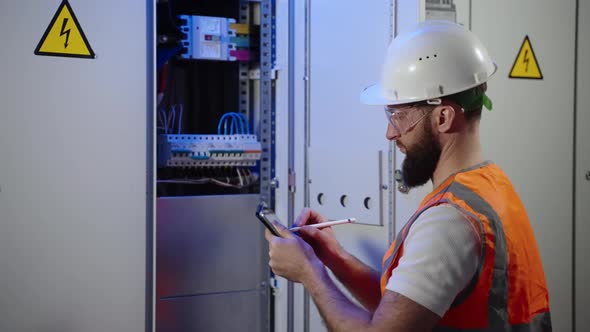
pixel 291 257
pixel 322 241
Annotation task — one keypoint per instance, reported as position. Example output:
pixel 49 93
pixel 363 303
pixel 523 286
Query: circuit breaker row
pixel 208 150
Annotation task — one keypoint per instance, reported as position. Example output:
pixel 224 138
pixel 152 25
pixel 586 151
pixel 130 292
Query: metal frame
pixel 575 161
pixel 244 81
pixel 307 112
pixel 267 121
pixel 267 109
pixel 150 197
pixel 391 153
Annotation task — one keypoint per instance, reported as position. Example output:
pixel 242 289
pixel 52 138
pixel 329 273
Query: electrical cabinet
pixel 214 130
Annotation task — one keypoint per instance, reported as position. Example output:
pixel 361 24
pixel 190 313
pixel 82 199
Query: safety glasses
pixel 403 119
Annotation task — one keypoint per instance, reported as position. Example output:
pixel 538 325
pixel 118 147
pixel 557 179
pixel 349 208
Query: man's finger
pixel 302 217
pixel 309 231
pixel 267 235
pixel 308 217
pixel 282 230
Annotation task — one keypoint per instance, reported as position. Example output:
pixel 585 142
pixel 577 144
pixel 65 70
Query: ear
pixel 444 117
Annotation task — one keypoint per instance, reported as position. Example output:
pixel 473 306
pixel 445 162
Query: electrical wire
pixel 164 120
pixel 172 118
pixel 243 181
pixel 237 122
pixel 240 120
pixel 180 120
pixel 245 122
pixel 219 124
pixel 233 124
pixel 240 176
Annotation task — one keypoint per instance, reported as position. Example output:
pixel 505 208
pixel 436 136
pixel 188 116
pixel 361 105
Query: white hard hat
pixel 436 59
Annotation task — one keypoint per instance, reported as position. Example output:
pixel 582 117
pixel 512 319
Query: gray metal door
pixel 75 220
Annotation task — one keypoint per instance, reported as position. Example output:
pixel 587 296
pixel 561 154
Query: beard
pixel 421 159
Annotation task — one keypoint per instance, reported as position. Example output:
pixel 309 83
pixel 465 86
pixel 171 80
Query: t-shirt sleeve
pixel 440 257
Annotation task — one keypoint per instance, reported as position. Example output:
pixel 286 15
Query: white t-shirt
pixel 441 255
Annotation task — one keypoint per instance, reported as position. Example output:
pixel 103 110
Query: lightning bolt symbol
pixel 65 32
pixel 526 60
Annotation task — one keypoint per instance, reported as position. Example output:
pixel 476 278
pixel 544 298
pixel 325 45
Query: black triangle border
pixel 526 37
pixel 59 9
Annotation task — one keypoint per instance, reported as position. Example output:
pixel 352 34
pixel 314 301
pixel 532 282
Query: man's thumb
pixel 282 230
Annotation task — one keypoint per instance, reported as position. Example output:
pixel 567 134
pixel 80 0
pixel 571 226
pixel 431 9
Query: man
pixel 467 260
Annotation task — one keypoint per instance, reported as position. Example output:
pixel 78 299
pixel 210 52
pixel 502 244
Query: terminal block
pixel 208 38
pixel 190 151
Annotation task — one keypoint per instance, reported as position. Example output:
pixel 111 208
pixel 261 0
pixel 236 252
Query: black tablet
pixel 267 216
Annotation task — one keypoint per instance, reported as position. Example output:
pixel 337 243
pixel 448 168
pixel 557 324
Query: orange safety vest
pixel 508 291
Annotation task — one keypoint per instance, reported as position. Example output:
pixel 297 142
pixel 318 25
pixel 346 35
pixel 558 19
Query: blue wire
pixel 233 125
pixel 224 117
pixel 244 121
pixel 233 122
pixel 240 121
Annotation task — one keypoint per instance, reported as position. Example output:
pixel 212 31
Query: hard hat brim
pixel 372 95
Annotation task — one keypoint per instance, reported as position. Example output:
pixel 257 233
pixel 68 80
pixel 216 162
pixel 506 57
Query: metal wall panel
pixel 582 175
pixel 73 220
pixel 529 132
pixel 348 149
pixel 212 264
pixel 209 244
pixel 229 312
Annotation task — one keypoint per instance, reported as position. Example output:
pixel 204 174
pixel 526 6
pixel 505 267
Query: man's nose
pixel 392 133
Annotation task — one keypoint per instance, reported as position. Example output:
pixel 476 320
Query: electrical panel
pixel 207 53
pixel 208 150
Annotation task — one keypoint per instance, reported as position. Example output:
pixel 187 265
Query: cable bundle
pixel 167 120
pixel 238 124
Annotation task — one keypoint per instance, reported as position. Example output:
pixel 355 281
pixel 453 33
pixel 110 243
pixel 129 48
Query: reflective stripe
pixel 464 294
pixel 540 323
pixel 498 296
pixel 480 165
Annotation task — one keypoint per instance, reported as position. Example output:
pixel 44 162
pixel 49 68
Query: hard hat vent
pixel 435 59
pixel 428 57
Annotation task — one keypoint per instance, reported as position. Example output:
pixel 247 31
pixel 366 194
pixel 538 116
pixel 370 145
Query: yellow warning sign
pixel 64 36
pixel 526 65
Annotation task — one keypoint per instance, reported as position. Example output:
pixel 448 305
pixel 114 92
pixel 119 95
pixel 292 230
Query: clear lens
pixel 405 118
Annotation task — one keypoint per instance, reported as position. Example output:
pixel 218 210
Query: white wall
pixel 73 146
pixel 582 183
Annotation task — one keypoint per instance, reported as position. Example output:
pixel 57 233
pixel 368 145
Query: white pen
pixel 326 224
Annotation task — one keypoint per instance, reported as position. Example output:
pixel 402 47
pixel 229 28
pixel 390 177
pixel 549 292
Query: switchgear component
pixel 208 150
pixel 240 29
pixel 207 38
pixel 241 55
